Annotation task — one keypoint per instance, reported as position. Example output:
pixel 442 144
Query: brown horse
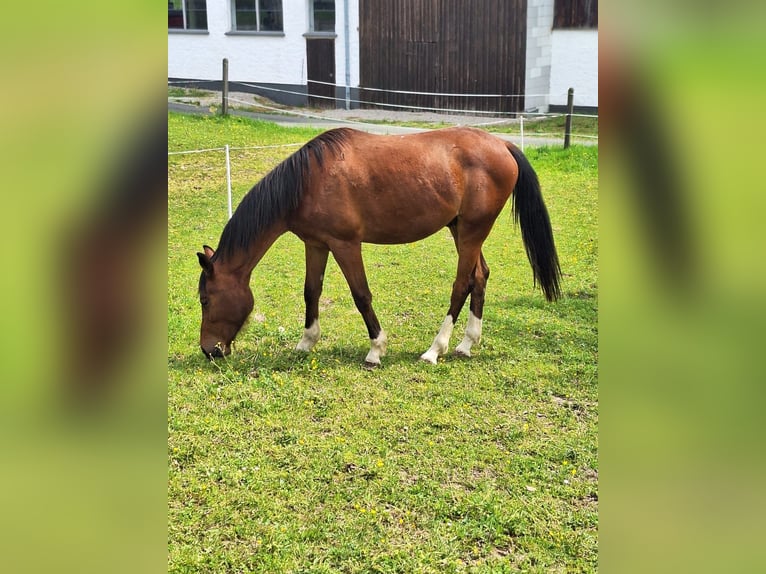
pixel 347 187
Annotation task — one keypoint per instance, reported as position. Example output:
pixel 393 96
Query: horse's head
pixel 226 303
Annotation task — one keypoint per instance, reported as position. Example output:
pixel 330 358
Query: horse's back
pixel 402 188
pixel 438 158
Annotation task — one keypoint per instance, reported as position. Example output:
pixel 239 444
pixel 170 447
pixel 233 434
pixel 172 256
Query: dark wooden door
pixel 443 47
pixel 320 68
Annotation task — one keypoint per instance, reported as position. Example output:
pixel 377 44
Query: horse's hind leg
pixel 480 275
pixel 469 255
pixel 473 329
pixel 349 259
pixel 316 263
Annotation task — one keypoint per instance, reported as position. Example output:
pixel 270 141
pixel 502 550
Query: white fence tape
pixel 294 113
pixel 367 89
pixel 380 104
pixel 232 148
pixel 196 151
pixel 362 88
pixel 399 106
pixel 521 118
pixel 227 148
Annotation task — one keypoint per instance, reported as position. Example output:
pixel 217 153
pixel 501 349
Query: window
pixel 187 14
pixel 258 15
pixel 575 14
pixel 322 15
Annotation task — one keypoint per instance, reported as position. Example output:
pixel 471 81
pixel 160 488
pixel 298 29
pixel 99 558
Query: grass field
pixel 282 462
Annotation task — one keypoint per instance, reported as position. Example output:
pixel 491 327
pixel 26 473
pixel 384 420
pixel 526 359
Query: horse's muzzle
pixel 215 353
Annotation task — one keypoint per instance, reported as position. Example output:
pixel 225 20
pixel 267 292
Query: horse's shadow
pixel 506 334
pixel 326 357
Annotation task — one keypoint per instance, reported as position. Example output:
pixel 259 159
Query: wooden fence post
pixel 568 125
pixel 225 88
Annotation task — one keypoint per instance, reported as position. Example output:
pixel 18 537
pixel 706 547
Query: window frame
pixel 185 20
pixel 312 23
pixel 257 31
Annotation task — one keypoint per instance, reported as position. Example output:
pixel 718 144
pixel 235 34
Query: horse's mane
pixel 277 194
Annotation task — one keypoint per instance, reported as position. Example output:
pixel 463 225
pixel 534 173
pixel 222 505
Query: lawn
pixel 582 127
pixel 283 462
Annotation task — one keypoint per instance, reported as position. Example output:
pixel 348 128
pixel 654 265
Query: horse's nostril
pixel 216 352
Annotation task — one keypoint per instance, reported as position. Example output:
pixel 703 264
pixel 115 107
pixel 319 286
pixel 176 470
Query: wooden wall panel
pixel 575 14
pixel 444 46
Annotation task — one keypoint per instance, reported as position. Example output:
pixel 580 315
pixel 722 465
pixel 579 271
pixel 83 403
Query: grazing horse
pixel 347 187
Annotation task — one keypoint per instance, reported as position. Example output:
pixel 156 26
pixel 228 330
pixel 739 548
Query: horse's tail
pixel 530 213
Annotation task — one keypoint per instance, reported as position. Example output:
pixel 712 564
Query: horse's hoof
pixel 370 366
pixel 429 357
pixel 462 353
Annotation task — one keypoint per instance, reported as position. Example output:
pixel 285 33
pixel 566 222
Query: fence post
pixel 228 179
pixel 568 125
pixel 225 89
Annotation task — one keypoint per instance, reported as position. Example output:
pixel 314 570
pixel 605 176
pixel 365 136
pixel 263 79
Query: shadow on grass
pixel 515 328
pixel 289 360
pixel 325 359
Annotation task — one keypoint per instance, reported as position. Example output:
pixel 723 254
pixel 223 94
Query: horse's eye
pixel 204 302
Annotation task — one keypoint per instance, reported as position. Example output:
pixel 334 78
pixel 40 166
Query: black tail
pixel 530 213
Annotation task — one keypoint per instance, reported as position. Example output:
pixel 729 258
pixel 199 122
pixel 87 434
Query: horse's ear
pixel 205 263
pixel 208 250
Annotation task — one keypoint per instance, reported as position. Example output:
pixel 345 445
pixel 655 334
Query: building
pixel 393 52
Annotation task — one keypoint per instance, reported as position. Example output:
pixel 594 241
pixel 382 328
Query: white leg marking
pixel 310 338
pixel 377 349
pixel 441 342
pixel 472 336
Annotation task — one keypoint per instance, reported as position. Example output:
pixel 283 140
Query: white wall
pixel 556 59
pixel 258 58
pixel 574 64
pixel 538 65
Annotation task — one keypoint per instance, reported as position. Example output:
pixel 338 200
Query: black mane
pixel 277 194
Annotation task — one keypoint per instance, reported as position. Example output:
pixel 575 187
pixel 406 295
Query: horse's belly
pixel 406 212
pixel 394 232
pixel 377 207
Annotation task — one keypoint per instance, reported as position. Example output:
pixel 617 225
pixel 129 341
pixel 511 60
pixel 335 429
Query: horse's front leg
pixel 349 259
pixel 316 263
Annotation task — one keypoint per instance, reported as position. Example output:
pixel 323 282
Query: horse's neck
pixel 243 261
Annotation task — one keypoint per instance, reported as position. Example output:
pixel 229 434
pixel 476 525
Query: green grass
pixel 551 126
pixel 282 462
pixel 404 123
